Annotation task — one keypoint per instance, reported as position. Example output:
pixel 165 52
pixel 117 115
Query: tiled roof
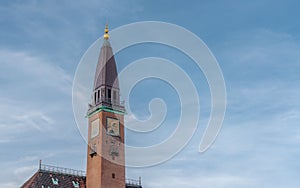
pixel 58 177
pixel 48 179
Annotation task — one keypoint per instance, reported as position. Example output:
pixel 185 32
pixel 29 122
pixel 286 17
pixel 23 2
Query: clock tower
pixel 105 155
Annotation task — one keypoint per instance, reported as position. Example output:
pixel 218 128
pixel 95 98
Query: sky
pixel 257 46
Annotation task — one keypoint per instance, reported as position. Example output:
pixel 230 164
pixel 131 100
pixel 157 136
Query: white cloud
pixel 30 158
pixel 6 140
pixel 32 89
pixel 32 74
pixel 15 121
pixel 9 184
pixel 17 176
pixel 34 99
pixel 36 120
pixel 25 170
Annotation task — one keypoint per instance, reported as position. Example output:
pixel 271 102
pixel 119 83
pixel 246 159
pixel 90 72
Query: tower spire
pixel 106 155
pixel 106 35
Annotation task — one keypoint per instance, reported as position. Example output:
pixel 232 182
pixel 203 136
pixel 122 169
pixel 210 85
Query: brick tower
pixel 105 155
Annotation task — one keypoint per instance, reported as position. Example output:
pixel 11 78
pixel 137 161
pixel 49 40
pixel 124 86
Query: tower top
pixel 106 71
pixel 106 93
pixel 106 35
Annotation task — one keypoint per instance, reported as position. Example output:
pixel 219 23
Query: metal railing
pixel 134 182
pixel 81 173
pixel 62 170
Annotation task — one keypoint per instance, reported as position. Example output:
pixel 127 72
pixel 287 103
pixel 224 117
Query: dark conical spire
pixel 106 84
pixel 106 71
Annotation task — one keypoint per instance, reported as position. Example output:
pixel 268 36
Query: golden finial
pixel 106 35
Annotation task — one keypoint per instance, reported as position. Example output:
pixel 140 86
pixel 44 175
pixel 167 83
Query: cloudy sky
pixel 256 43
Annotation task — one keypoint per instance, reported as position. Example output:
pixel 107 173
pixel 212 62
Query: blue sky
pixel 256 43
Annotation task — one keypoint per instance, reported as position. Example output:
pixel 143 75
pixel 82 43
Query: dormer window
pixel 75 184
pixel 55 181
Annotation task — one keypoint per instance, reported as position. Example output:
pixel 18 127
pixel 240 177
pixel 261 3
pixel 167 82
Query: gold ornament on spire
pixel 106 35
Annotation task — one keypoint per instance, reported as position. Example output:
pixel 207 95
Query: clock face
pixel 113 126
pixel 94 128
